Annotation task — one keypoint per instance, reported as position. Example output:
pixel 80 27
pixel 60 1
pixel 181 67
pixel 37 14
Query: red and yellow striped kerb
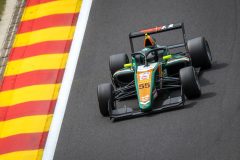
pixel 33 76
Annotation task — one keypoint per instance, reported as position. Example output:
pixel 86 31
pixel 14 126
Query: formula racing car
pixel 153 74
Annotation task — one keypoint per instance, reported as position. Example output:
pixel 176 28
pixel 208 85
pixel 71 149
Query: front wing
pixel 127 112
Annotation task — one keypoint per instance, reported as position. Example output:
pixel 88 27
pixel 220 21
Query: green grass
pixel 2 4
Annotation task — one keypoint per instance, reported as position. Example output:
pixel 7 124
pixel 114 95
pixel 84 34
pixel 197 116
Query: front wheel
pixel 105 98
pixel 190 84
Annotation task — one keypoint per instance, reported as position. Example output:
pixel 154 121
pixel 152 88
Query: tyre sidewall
pixel 117 61
pixel 190 83
pixel 105 98
pixel 200 52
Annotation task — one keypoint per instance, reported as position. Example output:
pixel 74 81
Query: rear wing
pixel 159 29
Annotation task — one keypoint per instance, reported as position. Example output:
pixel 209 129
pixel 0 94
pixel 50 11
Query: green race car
pixel 158 77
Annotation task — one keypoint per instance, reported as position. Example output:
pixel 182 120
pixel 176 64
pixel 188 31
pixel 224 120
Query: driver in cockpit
pixel 150 43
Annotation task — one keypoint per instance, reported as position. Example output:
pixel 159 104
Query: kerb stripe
pixel 23 142
pixel 49 47
pixel 27 109
pixel 32 78
pixel 47 22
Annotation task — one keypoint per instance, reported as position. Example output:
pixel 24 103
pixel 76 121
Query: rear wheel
pixel 117 61
pixel 200 52
pixel 190 84
pixel 105 98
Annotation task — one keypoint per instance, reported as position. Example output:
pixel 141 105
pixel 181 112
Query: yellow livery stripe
pixel 43 35
pixel 23 155
pixel 42 62
pixel 30 124
pixel 31 93
pixel 55 7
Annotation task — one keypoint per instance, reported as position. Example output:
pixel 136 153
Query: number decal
pixel 144 85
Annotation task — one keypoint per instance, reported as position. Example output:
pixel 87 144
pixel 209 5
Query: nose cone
pixel 145 107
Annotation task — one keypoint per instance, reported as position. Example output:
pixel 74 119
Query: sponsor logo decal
pixel 145 99
pixel 156 29
pixel 144 76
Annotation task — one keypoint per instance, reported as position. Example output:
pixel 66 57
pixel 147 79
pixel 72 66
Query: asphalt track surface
pixel 206 129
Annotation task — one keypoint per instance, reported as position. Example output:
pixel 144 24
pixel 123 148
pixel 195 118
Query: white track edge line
pixel 64 92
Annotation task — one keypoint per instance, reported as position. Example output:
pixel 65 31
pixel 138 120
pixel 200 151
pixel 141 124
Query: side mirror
pixel 167 57
pixel 128 65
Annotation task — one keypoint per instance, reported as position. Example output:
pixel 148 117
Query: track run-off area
pixel 207 128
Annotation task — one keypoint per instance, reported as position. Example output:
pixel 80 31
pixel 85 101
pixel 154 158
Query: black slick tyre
pixel 200 53
pixel 190 84
pixel 117 61
pixel 105 98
